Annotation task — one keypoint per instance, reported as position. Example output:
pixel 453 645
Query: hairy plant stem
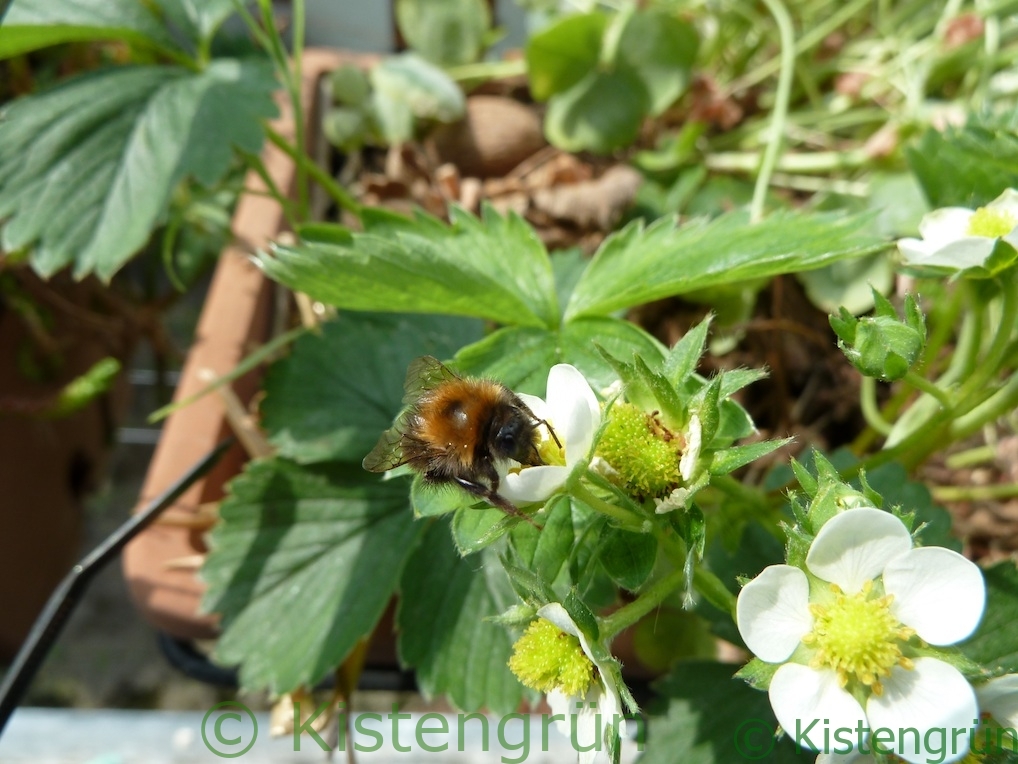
pixel 627 518
pixel 870 409
pixel 920 382
pixel 649 599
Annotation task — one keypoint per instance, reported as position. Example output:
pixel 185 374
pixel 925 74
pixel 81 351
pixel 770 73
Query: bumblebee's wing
pixel 387 453
pixel 424 373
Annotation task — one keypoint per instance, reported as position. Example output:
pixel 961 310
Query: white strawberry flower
pixel 581 684
pixel 572 410
pixel 602 698
pixel 956 237
pixel 842 634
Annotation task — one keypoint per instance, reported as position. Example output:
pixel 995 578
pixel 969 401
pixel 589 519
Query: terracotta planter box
pixel 236 318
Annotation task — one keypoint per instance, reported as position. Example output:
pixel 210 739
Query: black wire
pixel 65 598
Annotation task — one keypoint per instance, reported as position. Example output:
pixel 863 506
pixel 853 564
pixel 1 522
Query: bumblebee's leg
pixel 551 431
pixel 489 494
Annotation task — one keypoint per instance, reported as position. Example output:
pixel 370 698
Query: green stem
pixel 989 367
pixel 809 40
pixel 921 383
pixel 971 457
pixel 256 163
pixel 296 80
pixel 624 516
pixel 342 197
pixel 975 492
pixel 780 112
pixel 704 581
pixel 997 405
pixel 870 409
pixel 947 320
pixel 911 450
pixel 649 599
pixel 815 162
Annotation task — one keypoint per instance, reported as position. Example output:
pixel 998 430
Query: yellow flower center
pixel 643 452
pixel 991 223
pixel 545 658
pixel 858 637
pixel 551 452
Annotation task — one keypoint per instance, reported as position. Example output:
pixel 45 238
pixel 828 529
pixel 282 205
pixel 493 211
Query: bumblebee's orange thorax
pixel 455 417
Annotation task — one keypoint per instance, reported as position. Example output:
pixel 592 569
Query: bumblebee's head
pixel 514 436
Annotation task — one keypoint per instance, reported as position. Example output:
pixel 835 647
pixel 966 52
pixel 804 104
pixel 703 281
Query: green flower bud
pixel 883 345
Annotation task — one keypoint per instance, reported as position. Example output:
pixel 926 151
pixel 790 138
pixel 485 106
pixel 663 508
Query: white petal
pixel 915 251
pixel 801 696
pixel 557 614
pixel 999 698
pixel 966 252
pixel 855 547
pixel 929 711
pixel 772 612
pixel 574 410
pixel 562 705
pixel 586 723
pixel 1012 238
pixel 533 484
pixel 694 438
pixel 536 405
pixel 945 225
pixel 937 592
pixel 1007 202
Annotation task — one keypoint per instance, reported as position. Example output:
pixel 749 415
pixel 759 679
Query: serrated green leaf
pixel 338 390
pixel 446 32
pixel 521 356
pixel 443 634
pixel 33 24
pixel 659 49
pixel 87 169
pixel 600 113
pixel 206 16
pixel 545 550
pixel 628 557
pixel 494 268
pixel 474 529
pixel 968 166
pixel 301 566
pixel 711 718
pixel 665 395
pixel 433 500
pixel 736 379
pixel 638 265
pixel 732 458
pixel 685 355
pixel 560 55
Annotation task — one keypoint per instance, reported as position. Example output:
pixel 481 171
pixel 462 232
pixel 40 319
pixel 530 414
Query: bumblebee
pixel 455 430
